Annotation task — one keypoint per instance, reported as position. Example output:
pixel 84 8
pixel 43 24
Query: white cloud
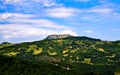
pixel 100 10
pixel 18 18
pixel 13 1
pixel 7 16
pixel 23 25
pixel 69 32
pixel 47 3
pixel 88 31
pixel 20 31
pixel 62 12
pixel 42 23
pixel 102 14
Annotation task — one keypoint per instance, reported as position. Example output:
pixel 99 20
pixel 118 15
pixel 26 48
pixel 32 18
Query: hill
pixel 79 55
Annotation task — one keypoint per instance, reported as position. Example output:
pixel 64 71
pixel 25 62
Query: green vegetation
pixel 65 56
pixel 14 66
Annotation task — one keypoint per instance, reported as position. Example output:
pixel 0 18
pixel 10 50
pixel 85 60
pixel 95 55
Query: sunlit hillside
pixel 75 55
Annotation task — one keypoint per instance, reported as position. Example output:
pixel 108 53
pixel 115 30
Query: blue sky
pixel 30 20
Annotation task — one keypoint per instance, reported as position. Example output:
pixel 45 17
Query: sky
pixel 32 20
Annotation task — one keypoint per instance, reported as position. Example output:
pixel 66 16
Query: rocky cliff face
pixel 58 36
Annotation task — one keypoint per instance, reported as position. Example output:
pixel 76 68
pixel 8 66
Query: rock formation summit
pixel 55 36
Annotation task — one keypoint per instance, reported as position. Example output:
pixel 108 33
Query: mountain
pixel 77 55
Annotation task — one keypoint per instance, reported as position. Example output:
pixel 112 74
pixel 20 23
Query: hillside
pixel 79 55
pixel 14 66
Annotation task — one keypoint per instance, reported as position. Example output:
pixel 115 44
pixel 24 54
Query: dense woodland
pixel 65 56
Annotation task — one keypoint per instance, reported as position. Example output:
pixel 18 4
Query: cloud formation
pixel 20 31
pixel 62 12
pixel 99 13
pixel 23 25
pixel 13 1
pixel 45 3
pixel 44 17
pixel 14 16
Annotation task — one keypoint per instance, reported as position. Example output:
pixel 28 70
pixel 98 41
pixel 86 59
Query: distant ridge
pixel 68 36
pixel 82 38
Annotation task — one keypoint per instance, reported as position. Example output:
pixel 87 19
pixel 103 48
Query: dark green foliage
pixel 14 66
pixel 5 43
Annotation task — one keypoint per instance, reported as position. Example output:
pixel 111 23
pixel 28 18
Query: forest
pixel 62 56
